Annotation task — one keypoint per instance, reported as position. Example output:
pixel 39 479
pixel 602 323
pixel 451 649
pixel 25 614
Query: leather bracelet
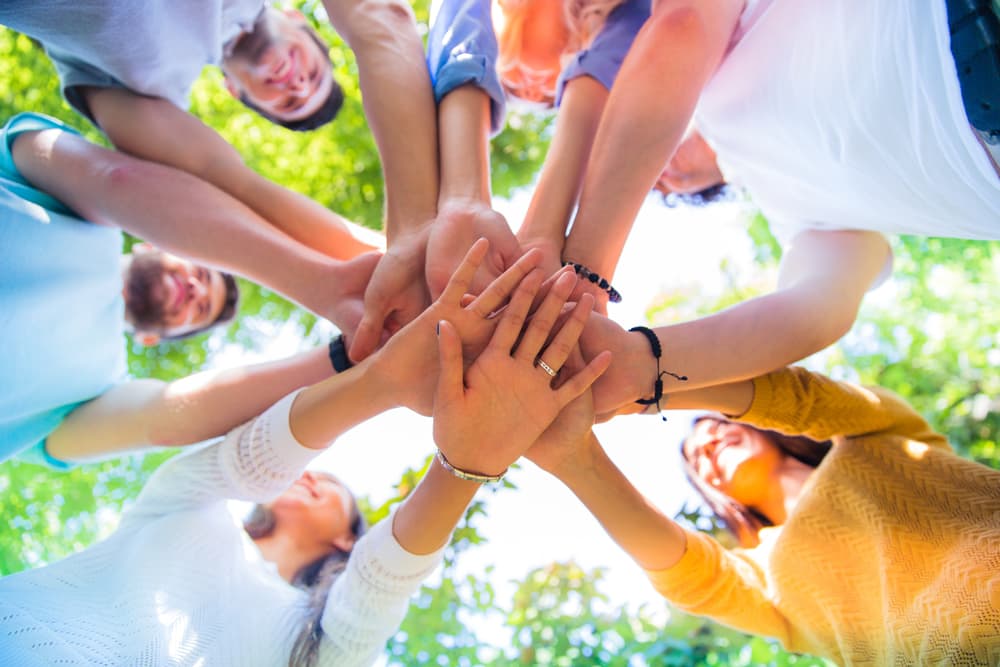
pixel 614 296
pixel 654 343
pixel 338 354
pixel 465 474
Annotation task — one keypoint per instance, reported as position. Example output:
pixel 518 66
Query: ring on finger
pixel 545 367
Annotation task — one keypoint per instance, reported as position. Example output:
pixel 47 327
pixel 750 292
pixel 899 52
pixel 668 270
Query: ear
pixel 231 86
pixel 345 542
pixel 146 338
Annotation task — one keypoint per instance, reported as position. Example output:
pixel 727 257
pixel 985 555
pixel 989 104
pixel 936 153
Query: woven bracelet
pixel 613 295
pixel 654 343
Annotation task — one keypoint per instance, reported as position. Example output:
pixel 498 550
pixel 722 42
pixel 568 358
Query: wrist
pixel 578 469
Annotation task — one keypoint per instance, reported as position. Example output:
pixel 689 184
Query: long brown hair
pixel 315 579
pixel 742 521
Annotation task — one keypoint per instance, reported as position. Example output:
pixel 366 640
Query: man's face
pixel 189 297
pixel 279 67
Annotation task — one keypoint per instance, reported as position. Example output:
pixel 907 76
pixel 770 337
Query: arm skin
pixel 187 216
pixel 648 111
pixel 153 129
pixel 562 173
pixel 824 276
pixel 142 413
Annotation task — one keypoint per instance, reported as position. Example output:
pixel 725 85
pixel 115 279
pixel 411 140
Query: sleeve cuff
pixel 477 70
pixel 289 450
pixel 394 558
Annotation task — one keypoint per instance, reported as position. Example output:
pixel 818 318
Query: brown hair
pixel 315 579
pixel 583 20
pixel 145 313
pixel 742 521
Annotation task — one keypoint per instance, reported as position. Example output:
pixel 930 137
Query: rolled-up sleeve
pixel 462 49
pixel 604 57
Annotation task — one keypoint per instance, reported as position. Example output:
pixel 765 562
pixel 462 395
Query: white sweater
pixel 180 582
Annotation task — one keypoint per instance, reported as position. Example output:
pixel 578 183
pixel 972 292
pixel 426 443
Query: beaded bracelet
pixel 654 343
pixel 613 295
pixel 465 474
pixel 338 355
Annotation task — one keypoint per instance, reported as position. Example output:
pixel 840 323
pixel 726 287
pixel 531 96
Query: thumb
pixel 368 334
pixel 450 385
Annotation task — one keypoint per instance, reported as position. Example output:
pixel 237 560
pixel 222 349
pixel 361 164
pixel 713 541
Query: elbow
pixel 382 23
pixel 680 25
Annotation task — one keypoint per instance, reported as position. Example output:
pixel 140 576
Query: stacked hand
pixel 486 417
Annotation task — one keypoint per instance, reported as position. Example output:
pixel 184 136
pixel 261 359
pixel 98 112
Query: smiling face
pixel 734 459
pixel 280 67
pixel 317 508
pixel 168 296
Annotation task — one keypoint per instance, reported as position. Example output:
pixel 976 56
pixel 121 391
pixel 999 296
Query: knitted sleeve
pixel 798 402
pixel 727 586
pixel 254 462
pixel 369 600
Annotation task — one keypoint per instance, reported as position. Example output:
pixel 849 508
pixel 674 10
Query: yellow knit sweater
pixel 890 557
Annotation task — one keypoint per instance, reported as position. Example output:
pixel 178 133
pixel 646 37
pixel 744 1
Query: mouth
pixel 179 291
pixel 286 68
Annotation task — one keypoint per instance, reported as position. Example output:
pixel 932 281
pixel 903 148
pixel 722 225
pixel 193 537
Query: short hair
pixel 744 522
pixel 146 314
pixel 324 114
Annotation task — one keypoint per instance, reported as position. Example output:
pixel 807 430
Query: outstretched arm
pixel 824 276
pixel 186 216
pixel 143 413
pixel 650 107
pixel 153 129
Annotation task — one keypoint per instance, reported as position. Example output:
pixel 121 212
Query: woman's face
pixel 738 461
pixel 317 507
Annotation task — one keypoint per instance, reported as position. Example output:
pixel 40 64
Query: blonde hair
pixel 583 20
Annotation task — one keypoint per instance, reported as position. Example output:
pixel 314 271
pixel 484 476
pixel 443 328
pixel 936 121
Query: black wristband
pixel 654 343
pixel 338 354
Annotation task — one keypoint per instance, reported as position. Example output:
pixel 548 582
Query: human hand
pixel 458 225
pixel 507 398
pixel 408 364
pixel 632 373
pixel 560 445
pixel 395 295
pixel 551 252
pixel 348 282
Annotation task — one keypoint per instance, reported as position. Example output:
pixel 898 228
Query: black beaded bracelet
pixel 613 295
pixel 654 342
pixel 338 354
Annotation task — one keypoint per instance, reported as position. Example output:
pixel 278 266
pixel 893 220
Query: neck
pixel 785 490
pixel 285 552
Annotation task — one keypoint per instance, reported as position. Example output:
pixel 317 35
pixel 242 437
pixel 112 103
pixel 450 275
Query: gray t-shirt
pixel 153 47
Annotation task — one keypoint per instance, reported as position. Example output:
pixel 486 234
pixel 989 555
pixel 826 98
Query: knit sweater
pixel 180 582
pixel 891 555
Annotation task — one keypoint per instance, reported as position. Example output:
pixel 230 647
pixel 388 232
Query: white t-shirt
pixel 153 47
pixel 847 114
pixel 180 582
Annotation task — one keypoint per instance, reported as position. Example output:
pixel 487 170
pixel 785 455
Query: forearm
pixel 562 174
pixel 650 538
pixel 175 211
pixel 399 105
pixel 155 130
pixel 425 521
pixel 647 112
pixel 209 404
pixel 464 119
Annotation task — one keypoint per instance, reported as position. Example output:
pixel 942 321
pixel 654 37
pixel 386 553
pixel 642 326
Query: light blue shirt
pixel 462 48
pixel 61 309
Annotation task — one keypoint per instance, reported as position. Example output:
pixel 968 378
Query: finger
pixel 368 334
pixel 582 380
pixel 543 291
pixel 514 315
pixel 544 319
pixel 450 385
pixel 460 281
pixel 568 335
pixel 500 289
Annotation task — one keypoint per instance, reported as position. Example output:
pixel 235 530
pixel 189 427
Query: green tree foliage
pixel 935 342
